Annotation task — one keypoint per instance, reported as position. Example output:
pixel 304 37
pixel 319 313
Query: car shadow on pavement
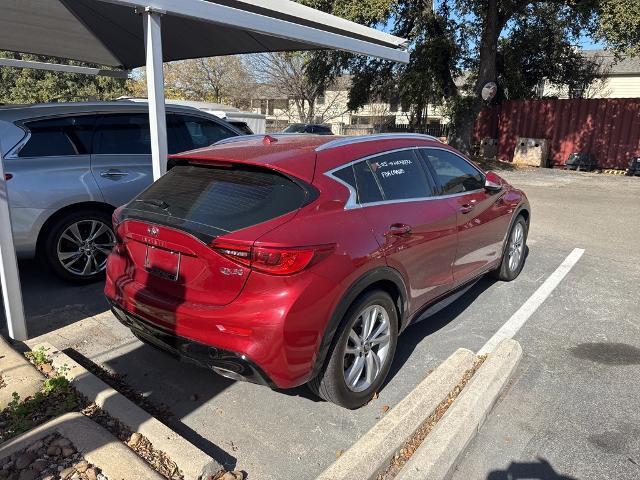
pixel 407 342
pixel 188 386
pixel 539 470
pixel 51 303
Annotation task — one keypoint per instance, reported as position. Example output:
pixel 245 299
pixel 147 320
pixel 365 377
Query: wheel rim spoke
pixel 373 367
pixel 102 229
pixel 355 372
pixel 381 340
pixel 75 231
pixel 71 239
pixel 355 338
pixel 379 331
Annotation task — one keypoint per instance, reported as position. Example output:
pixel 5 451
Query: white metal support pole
pixel 155 91
pixel 11 292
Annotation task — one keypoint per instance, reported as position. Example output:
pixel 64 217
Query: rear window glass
pixel 217 200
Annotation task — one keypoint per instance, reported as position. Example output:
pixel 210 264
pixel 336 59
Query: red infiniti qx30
pixel 299 259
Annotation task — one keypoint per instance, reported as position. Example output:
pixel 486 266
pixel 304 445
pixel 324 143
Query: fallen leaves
pixel 410 446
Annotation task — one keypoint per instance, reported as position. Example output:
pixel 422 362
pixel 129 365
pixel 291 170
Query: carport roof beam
pixel 56 67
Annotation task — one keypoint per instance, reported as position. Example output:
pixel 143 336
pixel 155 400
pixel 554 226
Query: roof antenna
pixel 268 140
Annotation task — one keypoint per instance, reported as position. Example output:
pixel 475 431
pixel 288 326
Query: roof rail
pixel 239 138
pixel 257 136
pixel 340 142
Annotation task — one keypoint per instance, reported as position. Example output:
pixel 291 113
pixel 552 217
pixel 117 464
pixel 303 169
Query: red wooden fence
pixel 607 128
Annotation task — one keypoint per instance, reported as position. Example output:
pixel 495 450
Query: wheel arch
pixel 58 214
pixel 382 278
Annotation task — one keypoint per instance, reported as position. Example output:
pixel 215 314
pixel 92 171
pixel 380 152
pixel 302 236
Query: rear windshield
pixel 216 200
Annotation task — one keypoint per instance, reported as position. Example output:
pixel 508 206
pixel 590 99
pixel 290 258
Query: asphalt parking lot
pixel 571 409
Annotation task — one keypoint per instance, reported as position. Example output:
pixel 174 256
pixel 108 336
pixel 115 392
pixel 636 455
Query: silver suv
pixel 69 165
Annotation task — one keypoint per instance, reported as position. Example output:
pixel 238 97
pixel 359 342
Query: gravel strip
pixel 52 458
pixel 158 460
pixel 410 446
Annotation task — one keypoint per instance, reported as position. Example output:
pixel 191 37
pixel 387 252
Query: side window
pixel 454 173
pixel 203 132
pixel 346 175
pixel 367 186
pixel 178 138
pixel 122 134
pixel 400 175
pixel 59 137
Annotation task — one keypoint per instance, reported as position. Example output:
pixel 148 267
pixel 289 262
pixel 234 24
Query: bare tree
pixel 286 73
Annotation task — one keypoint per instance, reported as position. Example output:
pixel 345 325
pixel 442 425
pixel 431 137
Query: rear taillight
pixel 273 260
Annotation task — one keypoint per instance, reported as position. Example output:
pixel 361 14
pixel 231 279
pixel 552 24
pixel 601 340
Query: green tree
pixel 620 25
pixel 458 46
pixel 26 85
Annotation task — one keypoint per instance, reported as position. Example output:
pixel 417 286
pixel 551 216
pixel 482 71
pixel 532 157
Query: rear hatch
pixel 175 231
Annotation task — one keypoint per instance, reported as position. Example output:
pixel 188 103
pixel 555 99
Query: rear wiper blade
pixel 156 203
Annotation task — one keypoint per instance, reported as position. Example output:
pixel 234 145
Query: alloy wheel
pixel 367 348
pixel 516 247
pixel 84 246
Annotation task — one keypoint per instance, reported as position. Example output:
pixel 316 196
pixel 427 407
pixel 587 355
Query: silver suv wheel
pixel 83 247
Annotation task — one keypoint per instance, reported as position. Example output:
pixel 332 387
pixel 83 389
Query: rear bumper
pixel 226 363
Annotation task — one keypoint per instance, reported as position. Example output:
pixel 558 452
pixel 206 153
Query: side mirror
pixel 493 182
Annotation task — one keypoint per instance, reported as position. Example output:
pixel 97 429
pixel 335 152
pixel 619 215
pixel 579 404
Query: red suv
pixel 299 259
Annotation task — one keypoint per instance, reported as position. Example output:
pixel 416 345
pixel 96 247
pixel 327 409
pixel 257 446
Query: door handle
pixel 468 207
pixel 399 229
pixel 113 173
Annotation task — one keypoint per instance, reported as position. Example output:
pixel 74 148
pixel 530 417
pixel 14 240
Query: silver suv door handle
pixel 113 173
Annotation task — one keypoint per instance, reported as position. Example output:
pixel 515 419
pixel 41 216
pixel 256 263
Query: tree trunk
pixel 466 111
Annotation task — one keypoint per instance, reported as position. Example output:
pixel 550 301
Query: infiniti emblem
pixel 153 231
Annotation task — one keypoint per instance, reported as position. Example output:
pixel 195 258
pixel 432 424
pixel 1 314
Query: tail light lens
pixel 272 260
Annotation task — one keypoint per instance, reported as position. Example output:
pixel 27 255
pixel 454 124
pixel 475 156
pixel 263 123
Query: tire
pixel 509 268
pixel 66 258
pixel 331 383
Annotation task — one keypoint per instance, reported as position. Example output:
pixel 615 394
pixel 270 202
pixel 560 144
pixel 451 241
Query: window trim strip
pixel 352 201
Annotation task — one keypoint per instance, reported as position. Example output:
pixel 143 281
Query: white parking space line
pixel 518 319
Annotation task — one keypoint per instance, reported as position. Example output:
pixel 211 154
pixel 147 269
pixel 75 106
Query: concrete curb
pixel 372 453
pixel 437 456
pixel 191 460
pixel 96 445
pixel 18 375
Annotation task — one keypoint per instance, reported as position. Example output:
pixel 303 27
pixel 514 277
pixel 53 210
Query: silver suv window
pixel 58 137
pixel 122 134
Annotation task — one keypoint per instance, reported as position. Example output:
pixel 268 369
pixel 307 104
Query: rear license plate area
pixel 162 263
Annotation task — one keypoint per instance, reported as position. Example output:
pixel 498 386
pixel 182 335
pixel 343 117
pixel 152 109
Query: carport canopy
pixel 135 33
